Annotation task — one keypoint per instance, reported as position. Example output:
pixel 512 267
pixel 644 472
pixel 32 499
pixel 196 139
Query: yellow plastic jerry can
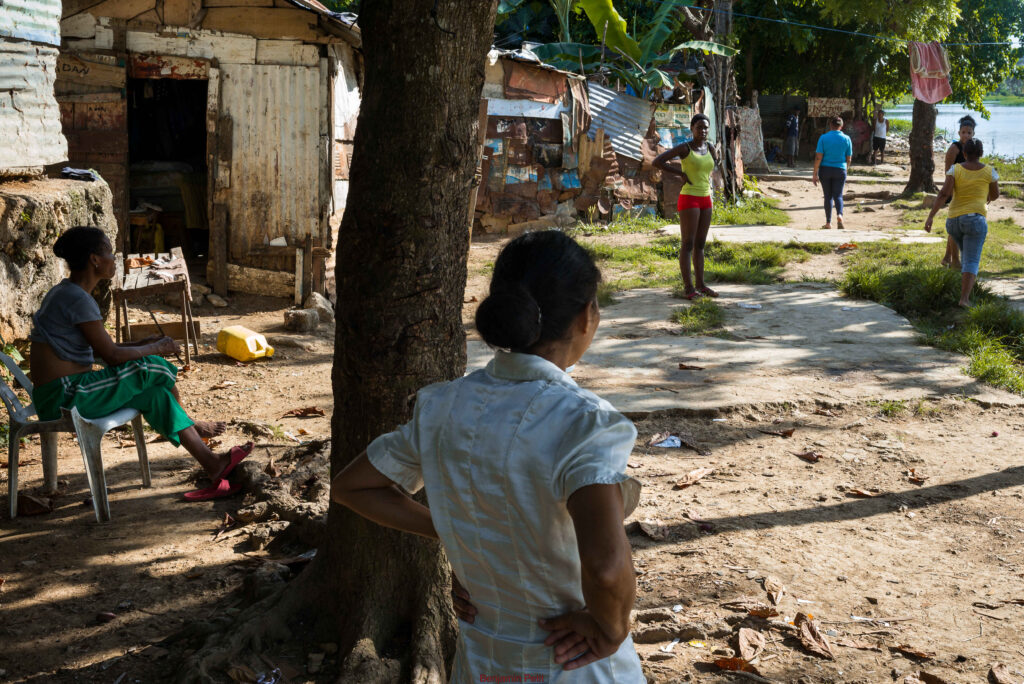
pixel 243 344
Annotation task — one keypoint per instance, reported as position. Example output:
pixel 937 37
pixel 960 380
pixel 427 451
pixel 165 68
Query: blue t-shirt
pixel 835 147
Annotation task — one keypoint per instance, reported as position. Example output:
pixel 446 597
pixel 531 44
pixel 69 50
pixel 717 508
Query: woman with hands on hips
pixel 524 472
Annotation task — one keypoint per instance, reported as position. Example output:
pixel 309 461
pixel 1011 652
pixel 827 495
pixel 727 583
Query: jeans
pixel 968 231
pixel 832 180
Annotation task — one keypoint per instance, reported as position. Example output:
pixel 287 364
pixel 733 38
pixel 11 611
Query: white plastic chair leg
pixel 48 442
pixel 140 447
pixel 90 439
pixel 12 472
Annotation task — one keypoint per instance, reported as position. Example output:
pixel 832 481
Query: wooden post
pixel 219 249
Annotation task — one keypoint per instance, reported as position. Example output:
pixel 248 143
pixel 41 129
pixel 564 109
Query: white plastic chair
pixel 90 437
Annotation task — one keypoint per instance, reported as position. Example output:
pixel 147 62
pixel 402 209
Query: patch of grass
pixel 757 211
pixel 868 171
pixel 625 224
pixel 907 279
pixel 902 126
pixel 1012 191
pixel 890 408
pixel 701 317
pixel 1011 100
pixel 924 408
pixel 656 264
pixel 1009 168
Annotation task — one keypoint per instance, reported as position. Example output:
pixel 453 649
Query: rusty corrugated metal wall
pixel 30 128
pixel 37 21
pixel 275 157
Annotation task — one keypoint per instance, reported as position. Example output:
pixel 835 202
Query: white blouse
pixel 499 452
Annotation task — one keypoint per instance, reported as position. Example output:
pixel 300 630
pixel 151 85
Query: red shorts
pixel 692 202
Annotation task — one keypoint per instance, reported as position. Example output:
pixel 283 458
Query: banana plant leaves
pixel 707 46
pixel 567 56
pixel 602 13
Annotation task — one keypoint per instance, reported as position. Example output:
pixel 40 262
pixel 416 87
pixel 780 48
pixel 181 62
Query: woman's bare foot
pixel 827 226
pixel 839 222
pixel 210 428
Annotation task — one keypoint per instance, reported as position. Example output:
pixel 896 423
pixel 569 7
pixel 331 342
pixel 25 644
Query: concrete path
pixel 1012 289
pixel 806 342
pixel 787 234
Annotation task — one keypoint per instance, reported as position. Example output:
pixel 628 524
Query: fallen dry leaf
pixel 847 245
pixel 812 638
pixel 774 588
pixel 658 437
pixel 272 470
pixel 634 465
pixel 693 477
pixel 824 412
pixel 223 385
pixel 915 478
pixel 987 606
pixel 1000 674
pixel 750 643
pixel 763 613
pixel 809 456
pixel 305 412
pixel 655 530
pixel 33 505
pixel 860 492
pixel 862 645
pixel 686 366
pixel 745 604
pixel 929 678
pixel 787 433
pixel 225 525
pixel 912 652
pixel 736 665
pixel 689 443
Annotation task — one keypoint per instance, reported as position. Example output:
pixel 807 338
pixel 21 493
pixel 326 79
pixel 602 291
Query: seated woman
pixel 525 475
pixel 68 333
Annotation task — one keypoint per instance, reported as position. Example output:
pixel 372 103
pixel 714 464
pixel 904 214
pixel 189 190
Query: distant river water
pixel 1003 133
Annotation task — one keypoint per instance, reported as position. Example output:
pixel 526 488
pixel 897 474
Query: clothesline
pixel 823 28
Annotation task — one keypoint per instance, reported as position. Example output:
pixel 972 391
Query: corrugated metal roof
pixel 344 23
pixel 624 118
pixel 35 20
pixel 30 125
pixel 275 155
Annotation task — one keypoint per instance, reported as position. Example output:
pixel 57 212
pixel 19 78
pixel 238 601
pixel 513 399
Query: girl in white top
pixel 525 475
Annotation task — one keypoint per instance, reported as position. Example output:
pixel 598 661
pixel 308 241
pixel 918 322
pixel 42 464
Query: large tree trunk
pixel 922 149
pixel 401 271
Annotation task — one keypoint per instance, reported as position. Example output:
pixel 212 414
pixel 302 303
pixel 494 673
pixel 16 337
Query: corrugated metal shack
pixel 29 118
pixel 228 123
pixel 536 116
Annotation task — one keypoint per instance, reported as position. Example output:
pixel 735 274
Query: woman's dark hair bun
pixel 967 121
pixel 974 148
pixel 509 319
pixel 541 283
pixel 77 244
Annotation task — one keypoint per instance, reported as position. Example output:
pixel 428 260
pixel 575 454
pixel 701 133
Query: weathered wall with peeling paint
pixel 33 214
pixel 29 118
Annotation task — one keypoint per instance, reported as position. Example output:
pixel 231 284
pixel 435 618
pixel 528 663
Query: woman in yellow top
pixel 972 185
pixel 697 159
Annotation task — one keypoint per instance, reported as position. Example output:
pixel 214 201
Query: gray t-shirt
pixel 56 323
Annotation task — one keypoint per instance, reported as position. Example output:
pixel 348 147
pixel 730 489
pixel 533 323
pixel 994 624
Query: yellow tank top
pixel 697 168
pixel 970 190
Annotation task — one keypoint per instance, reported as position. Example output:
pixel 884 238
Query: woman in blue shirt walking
pixel 835 149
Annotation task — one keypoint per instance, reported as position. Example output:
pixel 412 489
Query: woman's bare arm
pixel 993 191
pixel 663 159
pixel 372 495
pixel 940 201
pixel 115 354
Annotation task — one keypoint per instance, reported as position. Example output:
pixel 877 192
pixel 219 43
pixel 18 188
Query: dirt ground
pixel 904 533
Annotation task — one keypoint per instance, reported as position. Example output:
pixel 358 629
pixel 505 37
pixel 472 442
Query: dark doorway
pixel 167 165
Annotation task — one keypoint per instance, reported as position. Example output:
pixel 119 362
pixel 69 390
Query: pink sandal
pixel 237 454
pixel 217 490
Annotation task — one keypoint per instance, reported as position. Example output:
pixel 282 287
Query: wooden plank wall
pixel 261 19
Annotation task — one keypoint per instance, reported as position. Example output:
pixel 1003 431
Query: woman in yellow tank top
pixel 697 159
pixel 972 185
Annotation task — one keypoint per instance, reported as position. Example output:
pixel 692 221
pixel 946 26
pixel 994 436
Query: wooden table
pixel 135 283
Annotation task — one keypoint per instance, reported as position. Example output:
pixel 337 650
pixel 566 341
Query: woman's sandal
pixel 217 490
pixel 705 290
pixel 237 454
pixel 691 295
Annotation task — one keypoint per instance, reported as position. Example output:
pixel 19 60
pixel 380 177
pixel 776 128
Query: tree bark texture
pixel 401 274
pixel 922 152
pixel 381 595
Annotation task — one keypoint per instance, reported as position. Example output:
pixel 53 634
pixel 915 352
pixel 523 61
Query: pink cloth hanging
pixel 929 71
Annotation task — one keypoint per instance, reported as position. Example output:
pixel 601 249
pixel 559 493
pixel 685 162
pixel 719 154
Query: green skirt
pixel 143 384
